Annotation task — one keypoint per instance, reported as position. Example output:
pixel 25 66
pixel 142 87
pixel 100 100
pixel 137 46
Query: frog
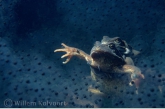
pixel 107 64
pixel 125 49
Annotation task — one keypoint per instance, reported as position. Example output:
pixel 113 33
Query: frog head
pixel 106 56
pixel 120 44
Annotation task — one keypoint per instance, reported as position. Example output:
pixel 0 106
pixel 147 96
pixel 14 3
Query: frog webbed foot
pixel 70 51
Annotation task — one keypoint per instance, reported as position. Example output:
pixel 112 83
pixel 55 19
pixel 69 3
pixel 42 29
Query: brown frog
pixel 108 67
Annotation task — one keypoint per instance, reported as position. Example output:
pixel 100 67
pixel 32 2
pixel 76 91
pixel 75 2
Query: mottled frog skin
pixel 108 63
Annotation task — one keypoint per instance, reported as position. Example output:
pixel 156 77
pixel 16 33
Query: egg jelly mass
pixel 82 53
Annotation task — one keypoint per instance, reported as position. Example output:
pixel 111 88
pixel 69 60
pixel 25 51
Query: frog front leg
pixel 71 51
pixel 135 73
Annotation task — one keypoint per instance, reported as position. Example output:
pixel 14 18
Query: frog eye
pixel 111 45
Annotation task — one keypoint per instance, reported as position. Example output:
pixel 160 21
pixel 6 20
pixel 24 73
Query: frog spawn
pixel 47 82
pixel 23 83
pixel 38 86
pixel 150 61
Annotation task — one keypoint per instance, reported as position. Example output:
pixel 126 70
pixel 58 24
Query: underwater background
pixel 30 31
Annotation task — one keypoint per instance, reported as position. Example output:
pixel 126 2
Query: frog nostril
pixel 111 45
pixel 117 41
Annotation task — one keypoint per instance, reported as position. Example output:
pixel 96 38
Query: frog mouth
pixel 106 60
pixel 106 55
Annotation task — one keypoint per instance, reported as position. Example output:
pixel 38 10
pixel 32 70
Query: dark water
pixel 32 75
